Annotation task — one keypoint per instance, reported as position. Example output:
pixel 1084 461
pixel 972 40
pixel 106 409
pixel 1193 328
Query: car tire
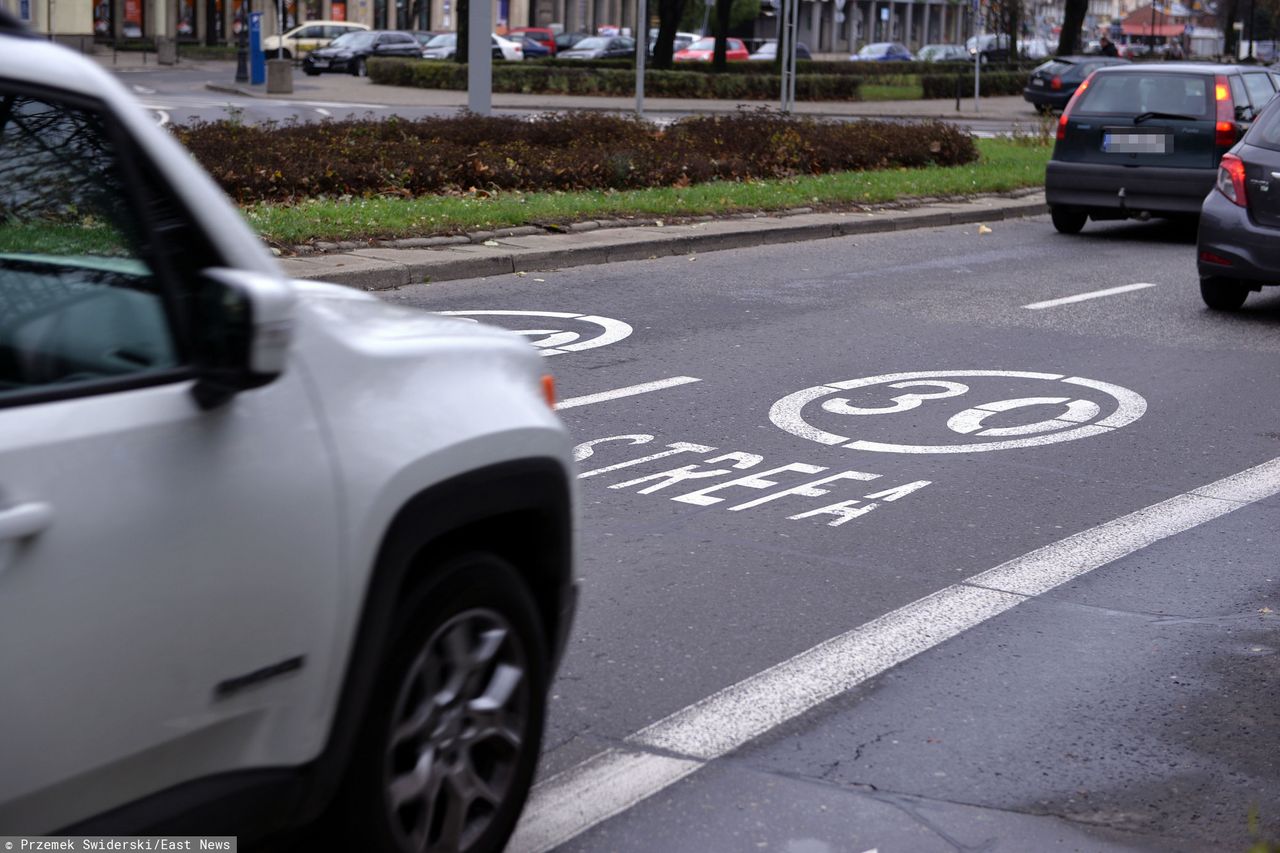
pixel 1068 221
pixel 285 54
pixel 361 68
pixel 467 654
pixel 1223 294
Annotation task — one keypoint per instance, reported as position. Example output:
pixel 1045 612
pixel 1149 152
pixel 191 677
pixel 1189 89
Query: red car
pixel 703 50
pixel 541 35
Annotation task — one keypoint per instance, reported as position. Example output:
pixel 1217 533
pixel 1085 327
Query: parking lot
pixel 940 539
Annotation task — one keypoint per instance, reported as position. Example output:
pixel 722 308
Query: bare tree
pixel 669 14
pixel 1072 21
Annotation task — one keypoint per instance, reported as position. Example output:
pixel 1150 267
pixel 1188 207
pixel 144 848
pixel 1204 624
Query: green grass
pixel 1004 165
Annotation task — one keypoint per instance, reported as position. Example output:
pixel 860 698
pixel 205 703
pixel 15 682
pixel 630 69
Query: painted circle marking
pixel 1073 417
pixel 598 331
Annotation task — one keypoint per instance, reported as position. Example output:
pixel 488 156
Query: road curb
pixel 389 268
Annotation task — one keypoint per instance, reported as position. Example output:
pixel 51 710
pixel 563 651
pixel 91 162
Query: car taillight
pixel 1226 131
pixel 1231 179
pixel 1062 120
pixel 1056 84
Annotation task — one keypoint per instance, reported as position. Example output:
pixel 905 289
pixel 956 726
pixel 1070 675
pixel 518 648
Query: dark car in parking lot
pixel 1145 140
pixel 1052 84
pixel 1238 247
pixel 350 53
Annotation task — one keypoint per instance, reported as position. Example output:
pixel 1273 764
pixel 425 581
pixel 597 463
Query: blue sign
pixel 257 62
pixel 24 9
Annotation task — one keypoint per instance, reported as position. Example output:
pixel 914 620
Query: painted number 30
pixel 969 422
pixel 1074 416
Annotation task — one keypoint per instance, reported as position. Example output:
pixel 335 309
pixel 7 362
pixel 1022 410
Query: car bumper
pixel 1150 189
pixel 1227 230
pixel 331 65
pixel 1046 97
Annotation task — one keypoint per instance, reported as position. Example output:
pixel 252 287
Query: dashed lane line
pixel 629 391
pixel 677 746
pixel 1093 294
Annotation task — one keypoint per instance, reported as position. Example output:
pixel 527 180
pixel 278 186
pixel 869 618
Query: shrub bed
pixel 533 78
pixel 990 83
pixel 805 66
pixel 285 163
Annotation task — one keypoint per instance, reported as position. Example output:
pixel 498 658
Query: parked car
pixel 942 53
pixel 423 36
pixel 308 37
pixel 249 552
pixel 1238 245
pixel 541 35
pixel 1053 83
pixel 564 41
pixel 1145 140
pixel 768 51
pixel 1034 48
pixel 445 45
pixel 350 53
pixel 994 48
pixel 703 50
pixel 679 43
pixel 600 47
pixel 532 49
pixel 883 51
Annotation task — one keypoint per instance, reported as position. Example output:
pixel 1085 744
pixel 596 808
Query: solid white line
pixel 630 391
pixel 571 802
pixel 1093 294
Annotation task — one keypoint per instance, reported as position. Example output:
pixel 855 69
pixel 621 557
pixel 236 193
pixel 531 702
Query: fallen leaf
pixel 539 279
pixel 522 274
pixel 658 223
pixel 491 242
pixel 982 229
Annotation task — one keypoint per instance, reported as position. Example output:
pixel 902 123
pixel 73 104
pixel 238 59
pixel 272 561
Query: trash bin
pixel 166 50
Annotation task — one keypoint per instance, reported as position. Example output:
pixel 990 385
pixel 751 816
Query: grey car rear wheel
pixel 1068 221
pixel 1223 294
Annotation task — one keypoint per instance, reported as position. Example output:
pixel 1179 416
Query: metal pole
pixel 642 48
pixel 977 57
pixel 480 57
pixel 782 66
pixel 791 54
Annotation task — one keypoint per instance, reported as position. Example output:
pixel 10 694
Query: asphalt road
pixel 1131 706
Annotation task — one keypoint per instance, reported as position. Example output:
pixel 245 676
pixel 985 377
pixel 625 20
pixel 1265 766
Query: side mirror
pixel 242 326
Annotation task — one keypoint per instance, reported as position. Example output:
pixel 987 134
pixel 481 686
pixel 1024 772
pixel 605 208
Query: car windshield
pixel 703 44
pixel 874 50
pixel 1138 93
pixel 354 40
pixel 593 43
pixel 444 40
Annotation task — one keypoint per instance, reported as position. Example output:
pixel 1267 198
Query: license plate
pixel 1137 143
pixel 1037 82
pixel 320 63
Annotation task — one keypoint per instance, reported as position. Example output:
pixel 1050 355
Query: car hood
pixel 331 52
pixel 358 319
pixel 578 54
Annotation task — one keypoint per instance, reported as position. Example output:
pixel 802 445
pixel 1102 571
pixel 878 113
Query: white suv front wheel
pixel 456 724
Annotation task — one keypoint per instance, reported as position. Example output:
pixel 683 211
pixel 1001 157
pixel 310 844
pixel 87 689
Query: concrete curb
pixel 388 268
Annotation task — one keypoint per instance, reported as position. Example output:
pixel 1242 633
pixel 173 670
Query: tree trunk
pixel 669 14
pixel 724 9
pixel 1072 21
pixel 462 8
pixel 1229 10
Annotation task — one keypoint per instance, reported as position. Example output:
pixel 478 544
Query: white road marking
pixel 788 413
pixel 662 754
pixel 143 90
pixel 630 391
pixel 324 112
pixel 162 117
pixel 556 341
pixel 1093 294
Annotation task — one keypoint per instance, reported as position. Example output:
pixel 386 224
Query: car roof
pixel 1173 68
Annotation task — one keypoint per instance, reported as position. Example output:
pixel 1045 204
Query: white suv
pixel 268 550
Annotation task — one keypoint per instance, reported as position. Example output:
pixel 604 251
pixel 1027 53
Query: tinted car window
pixel 77 300
pixel 1265 132
pixel 1134 94
pixel 1260 88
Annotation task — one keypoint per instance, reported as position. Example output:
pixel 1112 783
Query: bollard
pixel 279 76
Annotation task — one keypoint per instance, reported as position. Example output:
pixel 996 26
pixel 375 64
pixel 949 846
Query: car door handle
pixel 25 520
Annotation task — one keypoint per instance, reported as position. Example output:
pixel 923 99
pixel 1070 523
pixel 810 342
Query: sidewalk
pixel 517 250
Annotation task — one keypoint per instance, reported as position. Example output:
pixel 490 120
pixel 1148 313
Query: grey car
pixel 1145 140
pixel 1238 247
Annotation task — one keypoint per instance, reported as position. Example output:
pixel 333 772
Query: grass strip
pixel 1004 165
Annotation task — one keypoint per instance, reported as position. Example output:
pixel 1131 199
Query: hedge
pixel 532 78
pixel 804 66
pixel 577 151
pixel 990 82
